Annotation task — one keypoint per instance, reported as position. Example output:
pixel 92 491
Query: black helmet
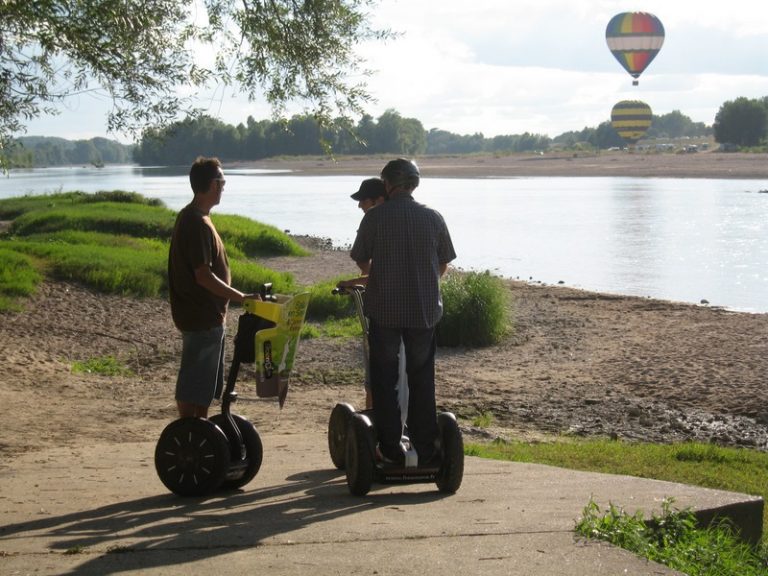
pixel 401 172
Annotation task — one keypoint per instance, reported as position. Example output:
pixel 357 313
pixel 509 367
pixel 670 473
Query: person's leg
pixel 422 412
pixel 384 344
pixel 200 371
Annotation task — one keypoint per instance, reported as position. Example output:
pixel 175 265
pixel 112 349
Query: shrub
pixel 475 310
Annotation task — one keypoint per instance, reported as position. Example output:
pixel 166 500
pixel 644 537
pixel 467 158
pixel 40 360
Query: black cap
pixel 371 188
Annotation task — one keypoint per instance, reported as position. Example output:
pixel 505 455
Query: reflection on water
pixel 678 239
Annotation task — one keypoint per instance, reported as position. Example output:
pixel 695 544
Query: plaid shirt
pixel 406 243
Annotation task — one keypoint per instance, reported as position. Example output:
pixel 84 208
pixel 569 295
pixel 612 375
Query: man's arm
pixel 443 268
pixel 205 277
pixel 365 267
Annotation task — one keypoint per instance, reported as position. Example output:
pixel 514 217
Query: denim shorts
pixel 201 375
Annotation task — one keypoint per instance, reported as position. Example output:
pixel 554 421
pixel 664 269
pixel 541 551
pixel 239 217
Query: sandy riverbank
pixel 709 164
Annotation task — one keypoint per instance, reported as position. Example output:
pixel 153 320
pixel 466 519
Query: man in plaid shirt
pixel 405 248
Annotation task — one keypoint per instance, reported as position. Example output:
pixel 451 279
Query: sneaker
pixel 395 458
pixel 432 460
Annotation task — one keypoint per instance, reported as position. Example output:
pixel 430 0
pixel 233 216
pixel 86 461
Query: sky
pixel 514 66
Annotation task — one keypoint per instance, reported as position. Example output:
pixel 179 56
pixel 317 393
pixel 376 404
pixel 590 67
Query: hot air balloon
pixel 634 39
pixel 631 119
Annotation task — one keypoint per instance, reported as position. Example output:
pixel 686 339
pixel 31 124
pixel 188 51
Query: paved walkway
pixel 101 510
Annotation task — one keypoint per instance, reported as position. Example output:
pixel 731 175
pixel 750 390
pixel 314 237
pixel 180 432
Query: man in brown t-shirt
pixel 200 291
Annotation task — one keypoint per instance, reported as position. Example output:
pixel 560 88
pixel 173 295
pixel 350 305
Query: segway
pixel 352 439
pixel 197 456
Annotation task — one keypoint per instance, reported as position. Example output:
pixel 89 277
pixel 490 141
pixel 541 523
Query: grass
pixel 734 469
pixel 18 278
pixel 333 328
pixel 104 365
pixel 324 304
pixel 483 420
pixel 118 243
pixel 674 539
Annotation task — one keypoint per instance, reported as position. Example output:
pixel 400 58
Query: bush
pixel 323 304
pixel 475 310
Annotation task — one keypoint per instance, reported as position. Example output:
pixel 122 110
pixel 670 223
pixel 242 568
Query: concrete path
pixel 101 510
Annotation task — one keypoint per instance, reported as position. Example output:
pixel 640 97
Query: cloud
pixel 540 66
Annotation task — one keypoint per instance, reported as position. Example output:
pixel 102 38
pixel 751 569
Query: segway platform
pixel 352 439
pixel 195 456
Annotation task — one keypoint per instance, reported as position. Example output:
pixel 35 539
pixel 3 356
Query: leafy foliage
pixel 36 151
pixel 743 122
pixel 138 55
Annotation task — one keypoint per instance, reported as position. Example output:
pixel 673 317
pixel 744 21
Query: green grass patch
pixel 674 539
pixel 138 220
pixel 734 469
pixel 11 208
pixel 125 213
pixel 333 328
pixel 103 365
pixel 483 420
pixel 254 238
pixel 118 243
pixel 323 304
pixel 475 310
pixel 18 278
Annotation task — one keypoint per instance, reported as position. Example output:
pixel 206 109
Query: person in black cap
pixel 370 194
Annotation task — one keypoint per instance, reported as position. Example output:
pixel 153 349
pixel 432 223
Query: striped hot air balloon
pixel 631 119
pixel 634 39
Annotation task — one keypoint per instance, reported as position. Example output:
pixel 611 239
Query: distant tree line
pixel 391 133
pixel 742 123
pixel 41 151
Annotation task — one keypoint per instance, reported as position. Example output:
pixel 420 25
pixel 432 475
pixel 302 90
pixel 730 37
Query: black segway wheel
pixel 192 457
pixel 452 453
pixel 240 473
pixel 341 416
pixel 360 455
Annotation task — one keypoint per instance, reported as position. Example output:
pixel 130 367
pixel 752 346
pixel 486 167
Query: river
pixel 677 239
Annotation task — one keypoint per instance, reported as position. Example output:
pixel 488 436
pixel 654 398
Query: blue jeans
pixel 419 343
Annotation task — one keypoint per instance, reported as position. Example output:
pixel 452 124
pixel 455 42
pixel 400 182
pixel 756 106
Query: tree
pixel 140 53
pixel 742 121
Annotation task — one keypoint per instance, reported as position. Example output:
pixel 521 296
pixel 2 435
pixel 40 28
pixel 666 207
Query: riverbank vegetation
pixel 117 243
pixel 721 468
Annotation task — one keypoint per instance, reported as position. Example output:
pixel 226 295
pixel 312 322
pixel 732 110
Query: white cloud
pixel 542 66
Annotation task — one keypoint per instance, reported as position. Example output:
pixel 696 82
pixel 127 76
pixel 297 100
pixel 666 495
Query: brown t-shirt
pixel 195 242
